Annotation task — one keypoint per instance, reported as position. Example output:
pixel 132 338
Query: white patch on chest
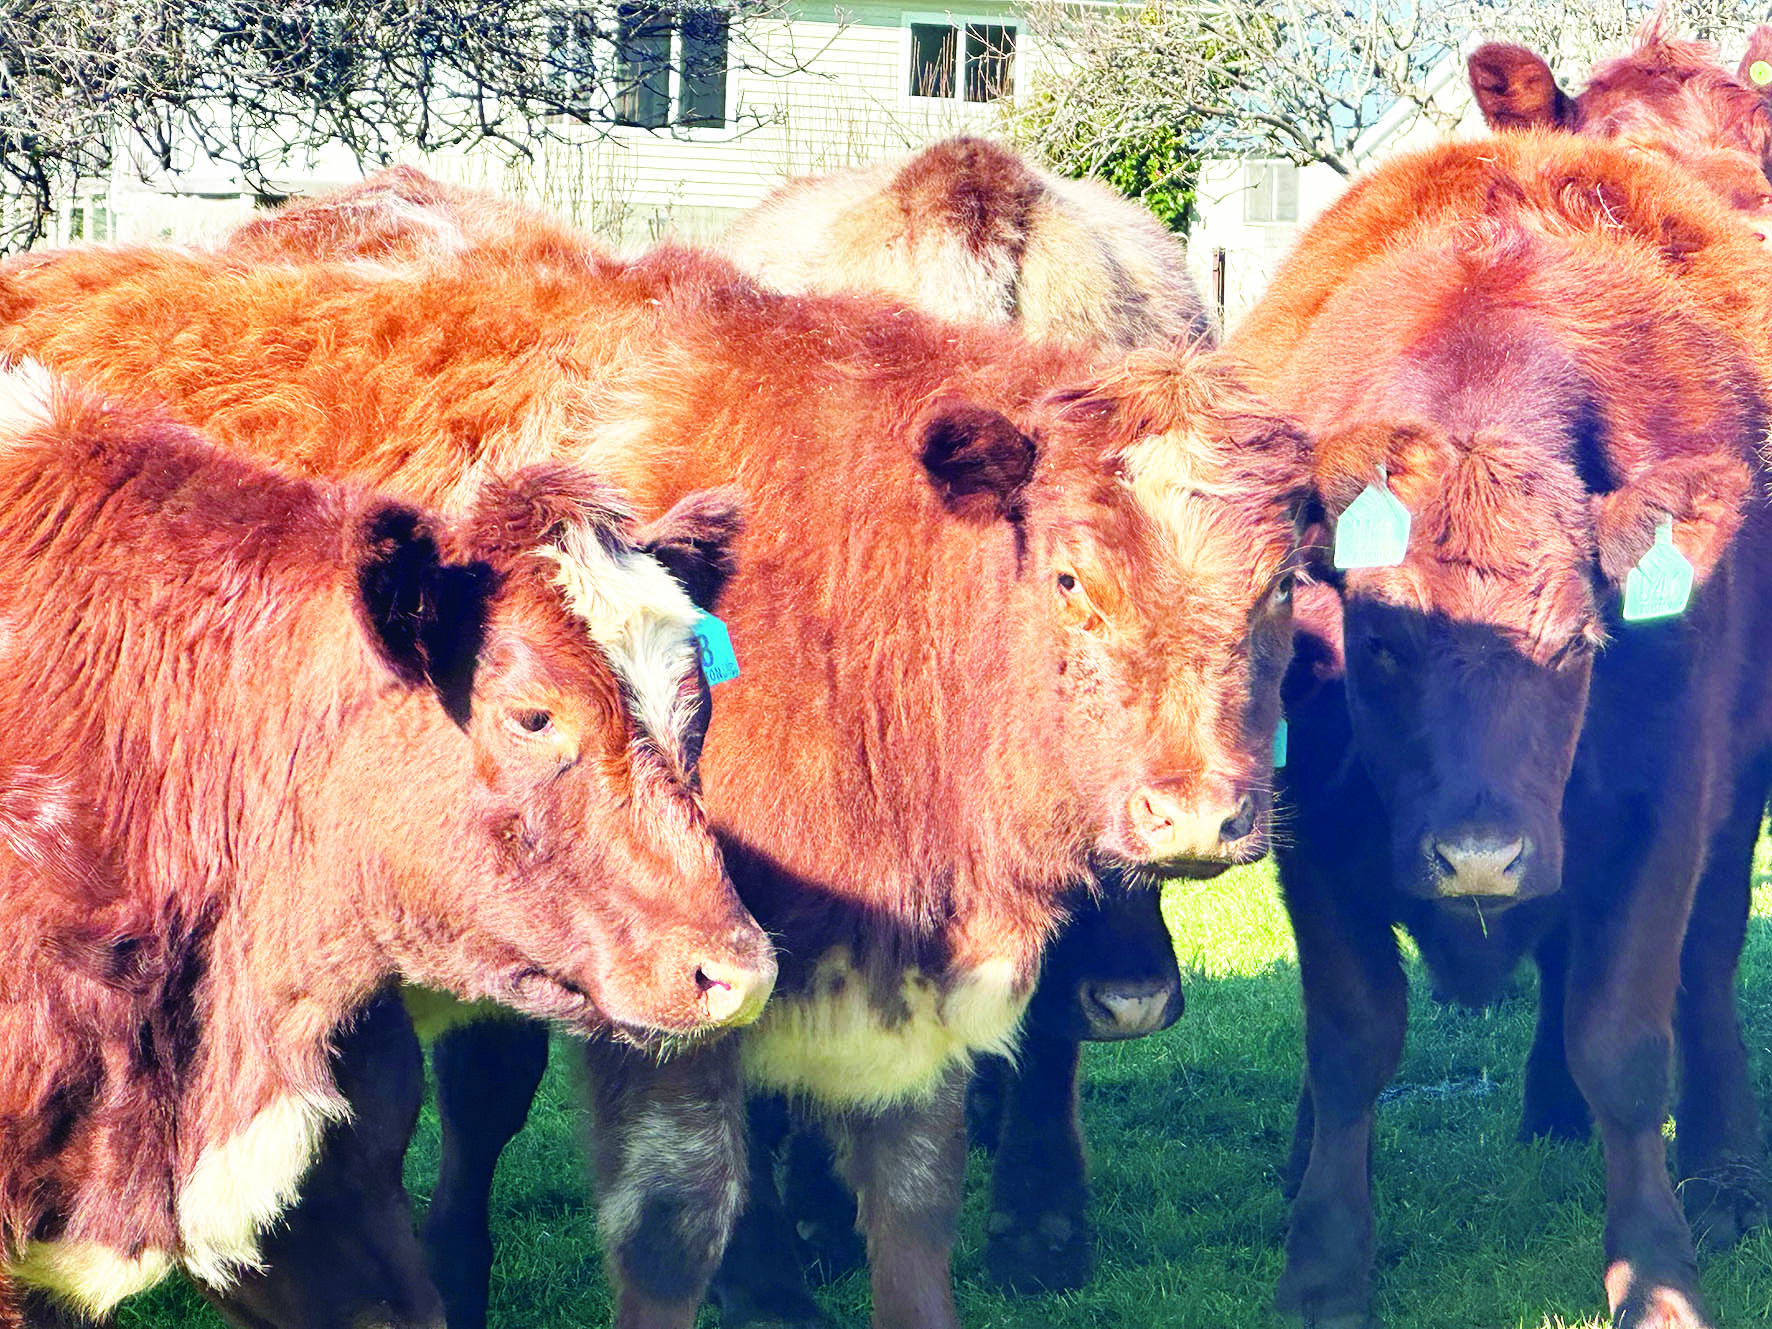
pixel 835 1046
pixel 27 395
pixel 89 1275
pixel 240 1186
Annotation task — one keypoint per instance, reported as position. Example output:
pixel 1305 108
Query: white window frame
pixel 908 100
pixel 1248 190
pixel 605 58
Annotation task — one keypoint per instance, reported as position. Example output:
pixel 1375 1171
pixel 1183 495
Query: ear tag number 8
pixel 715 644
pixel 1661 582
pixel 1374 531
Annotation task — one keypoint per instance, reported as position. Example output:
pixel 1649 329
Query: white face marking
pixel 240 1186
pixel 642 619
pixel 92 1277
pixel 832 1044
pixel 27 399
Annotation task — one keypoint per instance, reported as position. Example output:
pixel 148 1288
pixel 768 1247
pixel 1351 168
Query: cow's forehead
pixel 642 620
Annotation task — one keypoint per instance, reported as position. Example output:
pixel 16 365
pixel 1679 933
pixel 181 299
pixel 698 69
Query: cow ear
pixel 1516 89
pixel 1759 52
pixel 696 541
pixel 1703 496
pixel 978 461
pixel 426 617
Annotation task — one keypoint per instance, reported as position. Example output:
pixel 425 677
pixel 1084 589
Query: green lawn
pixel 1188 1131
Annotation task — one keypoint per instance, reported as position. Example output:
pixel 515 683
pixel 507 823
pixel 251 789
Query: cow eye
pixel 534 721
pixel 1382 654
pixel 1066 582
pixel 1282 592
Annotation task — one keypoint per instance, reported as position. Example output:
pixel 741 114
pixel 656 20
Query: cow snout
pixel 1167 830
pixel 1117 1009
pixel 1480 863
pixel 734 992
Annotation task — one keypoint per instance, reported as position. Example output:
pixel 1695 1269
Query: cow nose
pixel 1170 829
pixel 1116 1009
pixel 733 994
pixel 1480 863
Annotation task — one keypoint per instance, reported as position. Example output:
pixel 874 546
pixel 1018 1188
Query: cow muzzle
pixel 1478 863
pixel 734 991
pixel 1192 837
pixel 1115 1009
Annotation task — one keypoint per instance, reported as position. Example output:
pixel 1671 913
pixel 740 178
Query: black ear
pixel 978 461
pixel 426 617
pixel 696 542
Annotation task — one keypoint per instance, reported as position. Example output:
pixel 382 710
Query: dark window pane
pixel 705 36
pixel 990 61
pixel 572 68
pixel 643 66
pixel 933 52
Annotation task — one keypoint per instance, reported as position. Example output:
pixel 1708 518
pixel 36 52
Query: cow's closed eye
pixel 532 721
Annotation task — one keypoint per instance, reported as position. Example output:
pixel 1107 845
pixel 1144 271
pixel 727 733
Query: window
pixel 973 59
pixel 656 55
pixel 1271 192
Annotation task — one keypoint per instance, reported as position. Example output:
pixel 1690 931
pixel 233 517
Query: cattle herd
pixel 373 583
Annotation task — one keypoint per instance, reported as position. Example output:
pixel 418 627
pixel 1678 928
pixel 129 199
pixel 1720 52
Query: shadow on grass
pixel 1188 1131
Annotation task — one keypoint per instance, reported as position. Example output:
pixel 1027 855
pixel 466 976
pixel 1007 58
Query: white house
pixel 709 121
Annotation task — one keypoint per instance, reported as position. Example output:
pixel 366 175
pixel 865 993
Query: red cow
pixel 1555 360
pixel 211 671
pixel 991 632
pixel 1664 96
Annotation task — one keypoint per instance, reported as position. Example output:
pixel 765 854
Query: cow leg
pixel 1355 1013
pixel 820 1206
pixel 670 1157
pixel 487 1074
pixel 1552 1106
pixel 1619 1018
pixel 908 1168
pixel 1039 1230
pixel 987 1101
pixel 1718 1139
pixel 759 1282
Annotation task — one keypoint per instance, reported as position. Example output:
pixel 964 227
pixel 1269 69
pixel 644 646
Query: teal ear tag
pixel 715 643
pixel 1374 531
pixel 1661 582
pixel 1280 745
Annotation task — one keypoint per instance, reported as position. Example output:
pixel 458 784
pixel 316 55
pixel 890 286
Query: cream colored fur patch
pixel 239 1187
pixel 642 619
pixel 27 399
pixel 93 1277
pixel 833 1045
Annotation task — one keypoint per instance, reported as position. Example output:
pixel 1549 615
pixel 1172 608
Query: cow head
pixel 1111 973
pixel 1665 97
pixel 1468 663
pixel 549 848
pixel 1157 518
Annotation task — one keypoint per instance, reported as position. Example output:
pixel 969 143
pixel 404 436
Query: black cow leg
pixel 760 1282
pixel 1355 1013
pixel 907 1167
pixel 671 1161
pixel 987 1101
pixel 1721 1163
pixel 1552 1106
pixel 487 1074
pixel 1039 1234
pixel 820 1206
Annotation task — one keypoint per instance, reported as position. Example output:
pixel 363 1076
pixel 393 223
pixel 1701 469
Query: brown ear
pixel 1704 496
pixel 1759 52
pixel 1516 89
pixel 695 541
pixel 978 461
pixel 1414 457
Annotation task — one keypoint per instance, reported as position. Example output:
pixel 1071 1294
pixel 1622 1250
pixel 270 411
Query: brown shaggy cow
pixel 974 662
pixel 968 230
pixel 266 743
pixel 1666 97
pixel 1556 357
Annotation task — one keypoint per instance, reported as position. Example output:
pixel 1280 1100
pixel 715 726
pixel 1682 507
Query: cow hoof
pixel 828 1251
pixel 1027 1255
pixel 1720 1214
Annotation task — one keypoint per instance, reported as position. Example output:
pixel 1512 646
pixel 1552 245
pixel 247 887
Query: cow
pixel 1664 97
pixel 1558 370
pixel 1002 615
pixel 969 230
pixel 271 742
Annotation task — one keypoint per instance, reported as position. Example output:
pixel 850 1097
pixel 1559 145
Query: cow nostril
pixel 1444 864
pixel 1240 822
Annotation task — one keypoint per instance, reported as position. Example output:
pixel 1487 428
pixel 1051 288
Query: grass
pixel 1188 1130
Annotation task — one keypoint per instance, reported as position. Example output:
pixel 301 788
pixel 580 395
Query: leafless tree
pixel 1301 80
pixel 255 84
